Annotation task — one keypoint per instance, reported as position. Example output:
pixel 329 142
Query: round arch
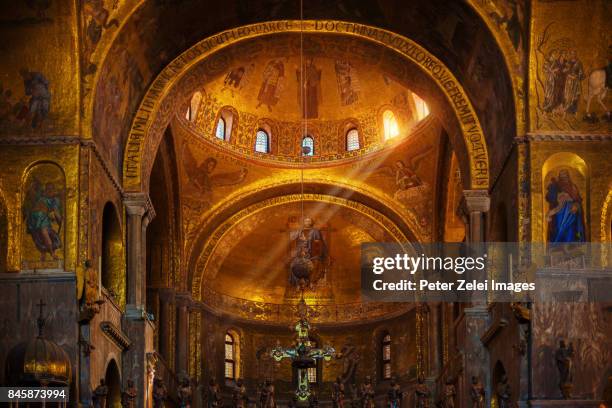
pixel 210 237
pixel 178 80
pixel 112 378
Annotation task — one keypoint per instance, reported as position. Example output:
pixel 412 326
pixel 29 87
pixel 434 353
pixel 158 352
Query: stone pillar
pixel 136 323
pixel 476 204
pixel 435 357
pixel 166 309
pixel 183 304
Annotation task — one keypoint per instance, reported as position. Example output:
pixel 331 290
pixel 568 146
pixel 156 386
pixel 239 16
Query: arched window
pixel 422 110
pixel 390 125
pixel 308 146
pixel 262 142
pixel 192 109
pixel 225 123
pixel 386 356
pixel 230 353
pixel 352 140
pixel 220 132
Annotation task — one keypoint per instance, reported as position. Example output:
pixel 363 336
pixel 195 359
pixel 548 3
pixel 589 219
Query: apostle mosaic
pixel 348 85
pixel 309 89
pixel 565 215
pixel 563 75
pixel 272 84
pixel 42 214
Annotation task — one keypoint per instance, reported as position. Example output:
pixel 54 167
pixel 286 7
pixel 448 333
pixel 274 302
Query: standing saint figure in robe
pixel 309 93
pixel 565 215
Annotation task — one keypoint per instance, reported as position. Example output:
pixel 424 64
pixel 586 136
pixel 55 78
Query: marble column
pixel 139 213
pixel 136 323
pixel 183 304
pixel 476 204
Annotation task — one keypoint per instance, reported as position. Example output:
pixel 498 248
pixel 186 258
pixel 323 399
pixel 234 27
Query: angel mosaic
pixel 202 180
pixel 410 189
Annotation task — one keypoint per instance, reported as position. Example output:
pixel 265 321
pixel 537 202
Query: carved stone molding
pixel 476 200
pixel 116 335
pixel 139 204
pixel 564 137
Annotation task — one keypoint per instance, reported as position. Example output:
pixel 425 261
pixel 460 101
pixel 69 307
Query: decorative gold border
pixel 218 234
pixel 156 104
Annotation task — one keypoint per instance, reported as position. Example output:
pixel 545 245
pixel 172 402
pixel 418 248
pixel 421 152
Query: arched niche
pixel 112 262
pixel 43 209
pixel 565 206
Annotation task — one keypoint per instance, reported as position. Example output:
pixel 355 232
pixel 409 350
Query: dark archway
pixel 113 382
pixel 499 372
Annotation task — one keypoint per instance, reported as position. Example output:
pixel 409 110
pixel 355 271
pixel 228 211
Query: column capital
pixel 476 200
pixel 183 299
pixel 139 204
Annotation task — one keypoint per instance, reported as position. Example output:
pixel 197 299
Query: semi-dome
pixel 319 100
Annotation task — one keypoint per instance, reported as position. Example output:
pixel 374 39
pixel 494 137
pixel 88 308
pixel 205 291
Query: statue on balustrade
pixel 92 293
pixel 239 396
pixel 367 393
pixel 267 397
pixel 184 393
pixel 448 399
pixel 394 395
pixel 477 393
pixel 160 393
pixel 338 393
pixel 563 358
pixel 421 393
pixel 100 394
pixel 128 396
pixel 215 400
pixel 503 393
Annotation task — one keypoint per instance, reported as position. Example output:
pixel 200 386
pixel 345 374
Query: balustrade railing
pixel 286 313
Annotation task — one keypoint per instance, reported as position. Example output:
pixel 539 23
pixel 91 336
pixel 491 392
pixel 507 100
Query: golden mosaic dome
pixel 272 101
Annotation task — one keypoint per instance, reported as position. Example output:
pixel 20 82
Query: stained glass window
pixel 262 142
pixel 307 146
pixel 352 140
pixel 390 125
